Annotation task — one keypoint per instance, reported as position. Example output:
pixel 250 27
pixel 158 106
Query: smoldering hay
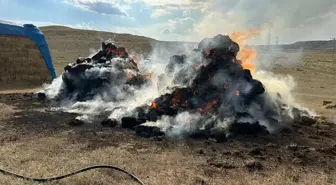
pixel 204 93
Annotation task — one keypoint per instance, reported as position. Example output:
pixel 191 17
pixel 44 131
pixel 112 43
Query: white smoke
pixel 53 89
pixel 178 126
pixel 118 100
pixel 281 84
pixel 275 84
pixel 270 57
pixel 114 102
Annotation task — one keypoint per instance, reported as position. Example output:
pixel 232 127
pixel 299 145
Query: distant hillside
pixel 67 44
pixel 311 45
pixel 65 39
pixel 303 45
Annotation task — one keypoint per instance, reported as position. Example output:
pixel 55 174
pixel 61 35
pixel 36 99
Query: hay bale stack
pixel 22 64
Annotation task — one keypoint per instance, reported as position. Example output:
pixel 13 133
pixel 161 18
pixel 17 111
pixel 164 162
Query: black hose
pixel 43 180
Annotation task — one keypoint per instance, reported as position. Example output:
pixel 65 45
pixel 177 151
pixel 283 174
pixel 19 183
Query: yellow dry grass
pixel 67 44
pixel 315 77
pixel 6 111
pixel 22 64
pixel 156 165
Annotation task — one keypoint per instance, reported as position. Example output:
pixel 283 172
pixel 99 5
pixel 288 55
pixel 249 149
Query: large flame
pixel 246 55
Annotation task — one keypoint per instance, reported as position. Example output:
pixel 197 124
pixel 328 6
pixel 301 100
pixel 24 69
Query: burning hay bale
pixel 208 93
pixel 87 77
pixel 221 93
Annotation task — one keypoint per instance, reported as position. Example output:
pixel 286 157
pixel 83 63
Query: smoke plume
pixel 116 98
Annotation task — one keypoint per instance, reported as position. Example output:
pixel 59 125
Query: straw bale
pixel 22 64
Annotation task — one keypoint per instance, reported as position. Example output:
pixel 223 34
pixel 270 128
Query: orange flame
pixel 237 93
pixel 154 105
pixel 246 55
pixel 211 104
pixel 208 108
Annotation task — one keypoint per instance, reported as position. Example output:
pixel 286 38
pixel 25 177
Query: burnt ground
pixel 38 142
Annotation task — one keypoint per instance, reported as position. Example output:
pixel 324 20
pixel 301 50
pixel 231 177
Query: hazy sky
pixel 188 20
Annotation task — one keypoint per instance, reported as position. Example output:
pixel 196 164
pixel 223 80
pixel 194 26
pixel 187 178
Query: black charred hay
pixel 87 77
pixel 210 82
pixel 220 87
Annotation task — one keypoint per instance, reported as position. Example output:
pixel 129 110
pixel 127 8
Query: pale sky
pixel 182 20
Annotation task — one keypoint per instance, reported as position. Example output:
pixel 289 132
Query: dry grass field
pixel 39 143
pixel 21 60
pixel 315 76
pixel 67 44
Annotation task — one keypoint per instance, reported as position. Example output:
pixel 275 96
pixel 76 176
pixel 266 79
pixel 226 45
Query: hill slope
pixel 311 45
pixel 303 45
pixel 67 44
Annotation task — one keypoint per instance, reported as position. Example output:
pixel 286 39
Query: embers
pixel 211 108
pixel 222 81
pixel 180 98
pixel 154 105
pixel 237 93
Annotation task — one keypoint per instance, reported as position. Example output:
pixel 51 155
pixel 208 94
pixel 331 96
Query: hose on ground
pixel 56 178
